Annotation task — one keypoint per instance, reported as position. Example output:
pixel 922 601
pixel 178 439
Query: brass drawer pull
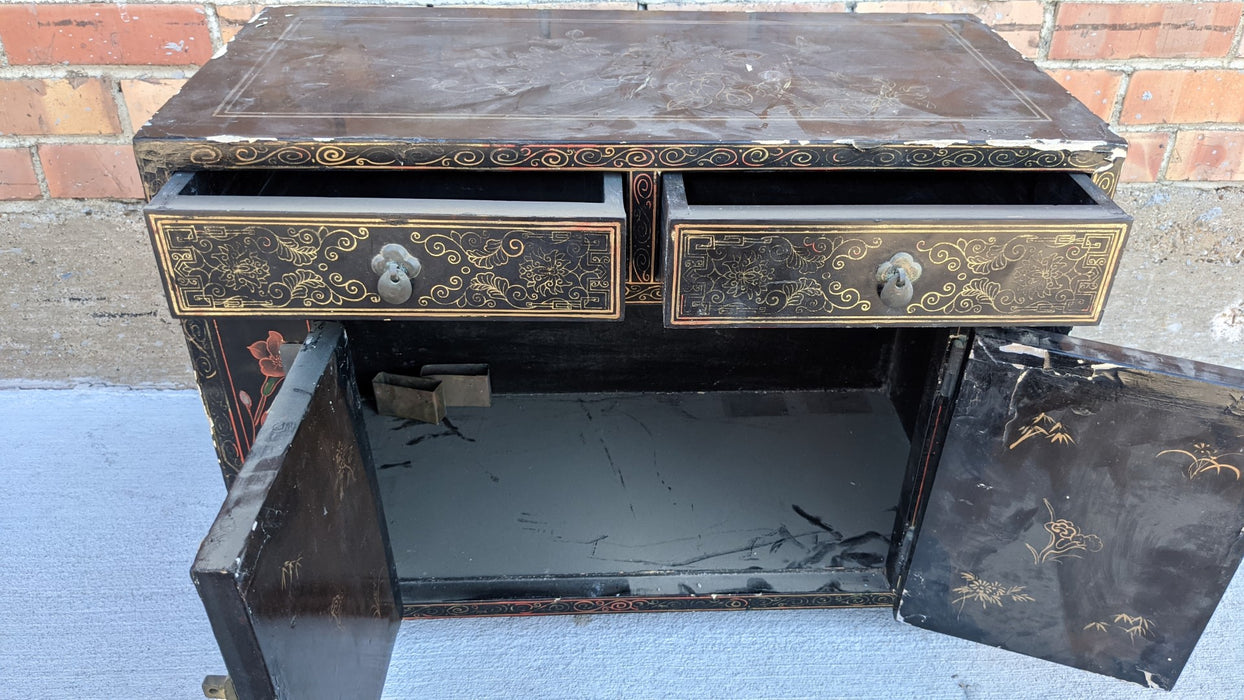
pixel 895 280
pixel 396 268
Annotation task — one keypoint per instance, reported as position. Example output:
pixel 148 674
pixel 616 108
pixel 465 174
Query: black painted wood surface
pixel 296 573
pixel 295 245
pixel 805 248
pixel 1087 507
pixel 506 77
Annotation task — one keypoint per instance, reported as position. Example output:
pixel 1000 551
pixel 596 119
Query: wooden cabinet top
pixel 503 78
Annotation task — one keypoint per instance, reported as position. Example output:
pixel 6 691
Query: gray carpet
pixel 104 495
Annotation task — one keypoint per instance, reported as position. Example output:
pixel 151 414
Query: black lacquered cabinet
pixel 766 319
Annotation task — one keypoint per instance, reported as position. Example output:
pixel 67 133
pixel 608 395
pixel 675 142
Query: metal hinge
pixel 219 687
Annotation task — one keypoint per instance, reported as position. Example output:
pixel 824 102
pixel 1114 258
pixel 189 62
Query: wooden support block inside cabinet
pixel 809 256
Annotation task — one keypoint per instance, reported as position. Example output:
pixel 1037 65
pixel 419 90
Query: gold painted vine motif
pixel 978 590
pixel 1066 540
pixel 244 266
pixel 643 228
pixel 526 270
pixel 771 275
pixel 1054 273
pixel 161 159
pixel 644 292
pixel 571 269
pixel 789 275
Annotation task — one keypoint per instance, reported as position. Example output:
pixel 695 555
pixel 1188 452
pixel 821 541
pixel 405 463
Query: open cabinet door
pixel 1087 507
pixel 296 572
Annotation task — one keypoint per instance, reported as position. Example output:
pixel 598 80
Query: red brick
pixel 1187 97
pixel 97 33
pixel 234 17
pixel 1025 41
pixel 90 170
pixel 17 175
pixel 1151 30
pixel 74 106
pixel 1017 21
pixel 1144 155
pixel 144 97
pixel 1207 155
pixel 1095 88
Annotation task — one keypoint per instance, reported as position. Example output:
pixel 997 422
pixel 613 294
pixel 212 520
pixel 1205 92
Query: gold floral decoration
pixel 228 265
pixel 1047 272
pixel 1204 459
pixel 1065 540
pixel 772 275
pixel 987 593
pixel 547 272
pixel 560 269
pixel 528 269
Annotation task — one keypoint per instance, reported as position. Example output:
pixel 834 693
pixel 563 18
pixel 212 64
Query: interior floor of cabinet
pixel 641 484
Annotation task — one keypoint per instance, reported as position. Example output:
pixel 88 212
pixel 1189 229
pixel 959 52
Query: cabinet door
pixel 1087 508
pixel 296 572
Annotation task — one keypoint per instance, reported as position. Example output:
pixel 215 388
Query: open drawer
pixel 389 244
pixel 1060 498
pixel 895 247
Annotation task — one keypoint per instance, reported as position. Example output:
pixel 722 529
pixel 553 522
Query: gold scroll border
pixel 1117 229
pixel 160 158
pixel 633 604
pixel 613 229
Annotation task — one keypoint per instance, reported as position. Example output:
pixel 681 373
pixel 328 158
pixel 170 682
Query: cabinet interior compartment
pixel 888 187
pixel 550 186
pixel 635 460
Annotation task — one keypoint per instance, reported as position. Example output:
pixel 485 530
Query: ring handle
pixel 396 267
pixel 895 280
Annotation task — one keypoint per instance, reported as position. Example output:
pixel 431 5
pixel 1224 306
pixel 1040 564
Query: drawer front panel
pixel 972 272
pixel 258 265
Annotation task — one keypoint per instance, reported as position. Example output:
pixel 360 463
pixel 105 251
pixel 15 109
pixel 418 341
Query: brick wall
pixel 76 79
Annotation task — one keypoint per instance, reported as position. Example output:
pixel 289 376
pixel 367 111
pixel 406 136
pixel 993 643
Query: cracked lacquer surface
pixel 459 74
pixel 1099 485
pixel 627 484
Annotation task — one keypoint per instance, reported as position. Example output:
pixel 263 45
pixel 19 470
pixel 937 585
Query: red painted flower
pixel 269 354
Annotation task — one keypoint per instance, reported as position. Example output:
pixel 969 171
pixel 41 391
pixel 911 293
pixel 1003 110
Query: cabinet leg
pixel 219 687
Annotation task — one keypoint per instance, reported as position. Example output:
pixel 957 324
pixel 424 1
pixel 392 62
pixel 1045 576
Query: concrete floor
pixel 83 302
pixel 98 527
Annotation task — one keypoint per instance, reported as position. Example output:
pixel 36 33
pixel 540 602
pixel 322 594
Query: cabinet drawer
pixel 990 248
pixel 400 244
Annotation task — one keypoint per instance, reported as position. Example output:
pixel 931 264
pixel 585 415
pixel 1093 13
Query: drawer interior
pixel 401 184
pixel 635 460
pixel 889 187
